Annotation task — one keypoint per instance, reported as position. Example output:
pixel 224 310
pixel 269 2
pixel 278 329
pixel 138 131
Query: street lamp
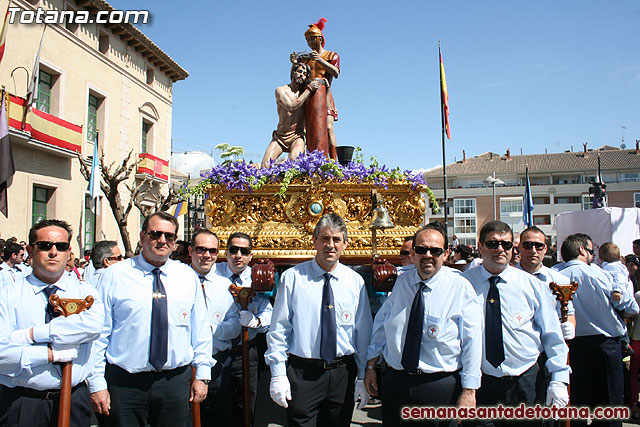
pixel 491 180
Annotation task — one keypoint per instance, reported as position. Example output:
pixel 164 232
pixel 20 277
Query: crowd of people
pixel 456 331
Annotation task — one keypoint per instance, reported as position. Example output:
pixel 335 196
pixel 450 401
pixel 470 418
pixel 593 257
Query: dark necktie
pixel 159 323
pixel 413 340
pixel 493 342
pixel 328 340
pixel 49 313
pixel 234 278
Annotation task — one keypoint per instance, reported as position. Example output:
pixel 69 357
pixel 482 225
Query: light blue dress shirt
pixel 529 323
pixel 260 306
pixel 546 276
pixel 595 310
pixel 296 323
pixel 11 275
pixel 126 289
pixel 452 337
pixel 24 306
pixel 223 311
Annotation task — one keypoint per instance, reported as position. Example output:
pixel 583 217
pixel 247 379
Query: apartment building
pixel 93 78
pixel 559 183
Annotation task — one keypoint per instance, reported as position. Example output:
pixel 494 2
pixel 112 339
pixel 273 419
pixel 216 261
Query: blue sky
pixel 530 75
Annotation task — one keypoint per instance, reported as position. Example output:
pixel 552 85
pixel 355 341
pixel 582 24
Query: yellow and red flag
pixel 444 96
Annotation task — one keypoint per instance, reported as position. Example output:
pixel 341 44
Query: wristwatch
pixel 206 382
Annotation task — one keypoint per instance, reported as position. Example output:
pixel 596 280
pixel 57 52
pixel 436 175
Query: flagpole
pixel 444 157
pixel 32 90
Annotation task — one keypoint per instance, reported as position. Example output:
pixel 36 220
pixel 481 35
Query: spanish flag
pixel 444 97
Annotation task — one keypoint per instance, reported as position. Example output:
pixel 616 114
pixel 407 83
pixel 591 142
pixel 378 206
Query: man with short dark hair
pixel 434 359
pixel 11 268
pixel 217 408
pixel 319 335
pixel 406 251
pixel 597 375
pixel 153 334
pixel 519 322
pixel 104 254
pixel 636 247
pixel 257 317
pixel 33 340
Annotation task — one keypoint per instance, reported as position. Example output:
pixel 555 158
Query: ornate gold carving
pixel 281 228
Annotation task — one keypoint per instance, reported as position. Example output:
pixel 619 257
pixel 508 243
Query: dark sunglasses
pixel 116 258
pixel 243 250
pixel 46 246
pixel 155 235
pixel 422 250
pixel 591 251
pixel 530 245
pixel 405 252
pixel 493 244
pixel 201 250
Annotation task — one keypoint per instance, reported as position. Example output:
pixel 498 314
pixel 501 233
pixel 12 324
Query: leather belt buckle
pixel 52 395
pixel 415 372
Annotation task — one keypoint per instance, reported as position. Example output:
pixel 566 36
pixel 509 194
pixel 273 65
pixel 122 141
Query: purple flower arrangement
pixel 308 167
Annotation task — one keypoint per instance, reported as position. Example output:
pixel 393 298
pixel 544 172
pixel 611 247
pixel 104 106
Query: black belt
pixel 420 372
pixel 319 363
pixel 42 394
pixel 154 373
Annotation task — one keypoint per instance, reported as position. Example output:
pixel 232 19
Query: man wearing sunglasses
pixel 597 374
pixel 320 332
pixel 406 251
pixel 103 254
pixel 533 247
pixel 153 334
pixel 257 317
pixel 437 363
pixel 519 322
pixel 33 338
pixel 217 408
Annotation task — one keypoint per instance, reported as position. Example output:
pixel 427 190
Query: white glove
pixel 64 352
pixel 568 331
pixel 248 319
pixel 280 390
pixel 557 394
pixel 361 394
pixel 21 336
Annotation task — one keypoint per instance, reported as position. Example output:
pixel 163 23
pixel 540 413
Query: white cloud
pixel 192 162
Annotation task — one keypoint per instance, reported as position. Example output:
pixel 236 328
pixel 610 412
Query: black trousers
pixel 402 389
pixel 217 408
pixel 19 408
pixel 509 391
pixel 157 399
pixel 320 397
pixel 597 374
pixel 236 381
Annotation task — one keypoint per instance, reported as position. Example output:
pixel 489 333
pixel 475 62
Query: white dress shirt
pixel 529 323
pixel 546 276
pixel 126 289
pixel 24 306
pixel 595 309
pixel 296 323
pixel 223 311
pixel 452 337
pixel 260 305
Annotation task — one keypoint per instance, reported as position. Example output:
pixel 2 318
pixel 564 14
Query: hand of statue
pixel 315 55
pixel 313 85
pixel 293 57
